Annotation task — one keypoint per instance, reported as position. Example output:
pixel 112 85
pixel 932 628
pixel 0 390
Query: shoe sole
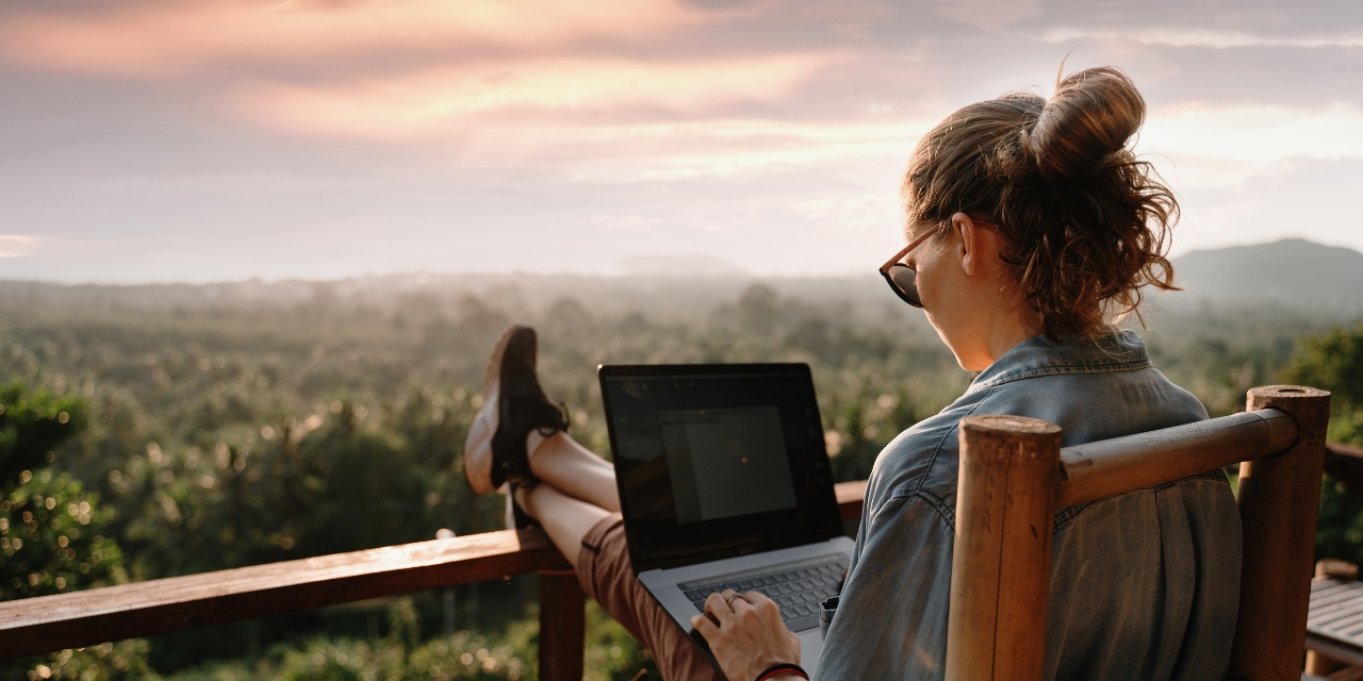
pixel 491 379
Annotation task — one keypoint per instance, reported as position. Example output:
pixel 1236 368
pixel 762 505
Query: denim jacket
pixel 1144 585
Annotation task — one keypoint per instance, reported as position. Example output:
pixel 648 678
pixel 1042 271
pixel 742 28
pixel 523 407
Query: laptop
pixel 725 483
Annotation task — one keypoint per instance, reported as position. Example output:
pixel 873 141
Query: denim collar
pixel 1121 350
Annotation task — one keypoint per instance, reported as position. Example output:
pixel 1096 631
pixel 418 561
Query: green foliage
pixel 1339 529
pixel 465 656
pixel 1334 361
pixel 121 661
pixel 1219 354
pixel 612 654
pixel 32 424
pixel 51 535
pixel 226 426
pixel 403 654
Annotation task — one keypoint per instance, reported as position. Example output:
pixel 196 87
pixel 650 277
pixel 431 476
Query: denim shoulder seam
pixel 937 449
pixel 1060 369
pixel 945 512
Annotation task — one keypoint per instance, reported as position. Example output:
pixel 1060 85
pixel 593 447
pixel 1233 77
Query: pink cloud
pixel 18 245
pixel 162 40
pixel 548 92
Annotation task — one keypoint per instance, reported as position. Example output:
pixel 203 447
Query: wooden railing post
pixel 562 627
pixel 1001 566
pixel 1279 499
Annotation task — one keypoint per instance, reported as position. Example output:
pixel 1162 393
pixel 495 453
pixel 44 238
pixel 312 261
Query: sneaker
pixel 513 405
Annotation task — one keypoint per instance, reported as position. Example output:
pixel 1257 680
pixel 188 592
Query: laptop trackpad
pixel 811 645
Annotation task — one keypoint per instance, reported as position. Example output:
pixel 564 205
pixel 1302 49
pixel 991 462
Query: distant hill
pixel 1305 278
pixel 1293 273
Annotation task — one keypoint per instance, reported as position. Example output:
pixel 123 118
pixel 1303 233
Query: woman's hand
pixel 746 633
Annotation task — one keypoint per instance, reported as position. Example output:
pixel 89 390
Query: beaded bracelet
pixel 783 668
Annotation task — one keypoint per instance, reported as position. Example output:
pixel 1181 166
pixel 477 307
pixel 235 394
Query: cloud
pixel 626 223
pixel 1193 36
pixel 174 39
pixel 512 92
pixel 1252 17
pixel 1224 146
pixel 18 245
pixel 215 136
pixel 736 150
pixel 854 215
pixel 987 14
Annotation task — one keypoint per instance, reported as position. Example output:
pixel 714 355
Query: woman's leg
pixel 575 470
pixel 577 503
pixel 566 519
pixel 575 500
pixel 593 541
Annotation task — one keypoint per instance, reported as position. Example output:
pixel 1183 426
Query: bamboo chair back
pixel 1014 477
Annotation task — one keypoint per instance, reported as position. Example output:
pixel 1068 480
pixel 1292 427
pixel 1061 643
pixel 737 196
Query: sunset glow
pixel 178 39
pixel 17 245
pixel 224 139
pixel 514 93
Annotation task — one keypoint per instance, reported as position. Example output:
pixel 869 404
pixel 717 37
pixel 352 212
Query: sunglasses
pixel 901 277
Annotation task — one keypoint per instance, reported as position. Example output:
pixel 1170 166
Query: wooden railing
pixel 37 625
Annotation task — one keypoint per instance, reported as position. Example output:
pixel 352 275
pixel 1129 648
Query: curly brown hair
pixel 1086 225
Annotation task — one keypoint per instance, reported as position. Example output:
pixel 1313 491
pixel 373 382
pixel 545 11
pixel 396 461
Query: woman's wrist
pixel 785 671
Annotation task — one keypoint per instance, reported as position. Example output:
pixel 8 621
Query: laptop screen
pixel 714 461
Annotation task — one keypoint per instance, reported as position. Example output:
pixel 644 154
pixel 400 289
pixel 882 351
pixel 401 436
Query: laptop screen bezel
pixel 655 543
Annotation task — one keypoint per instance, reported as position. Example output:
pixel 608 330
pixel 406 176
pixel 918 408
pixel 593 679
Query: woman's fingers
pixel 705 626
pixel 719 603
pixel 728 602
pixel 746 633
pixel 756 598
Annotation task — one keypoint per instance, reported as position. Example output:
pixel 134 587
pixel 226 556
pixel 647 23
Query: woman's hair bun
pixel 1085 224
pixel 1091 115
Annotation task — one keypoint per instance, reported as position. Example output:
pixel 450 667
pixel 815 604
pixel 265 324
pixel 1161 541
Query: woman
pixel 1031 225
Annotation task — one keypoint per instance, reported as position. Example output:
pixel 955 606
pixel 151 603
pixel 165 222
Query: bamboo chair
pixel 1014 478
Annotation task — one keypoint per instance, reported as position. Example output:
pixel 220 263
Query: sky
pixel 216 140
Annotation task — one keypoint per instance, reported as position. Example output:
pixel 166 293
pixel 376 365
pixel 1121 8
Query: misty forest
pixel 152 431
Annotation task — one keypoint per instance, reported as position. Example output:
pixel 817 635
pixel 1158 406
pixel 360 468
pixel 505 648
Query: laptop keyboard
pixel 798 588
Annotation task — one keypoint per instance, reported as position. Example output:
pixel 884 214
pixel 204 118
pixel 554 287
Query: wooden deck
pixel 1335 623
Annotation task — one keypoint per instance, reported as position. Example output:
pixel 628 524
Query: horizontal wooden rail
pixel 36 625
pixel 851 496
pixel 82 618
pixel 1111 467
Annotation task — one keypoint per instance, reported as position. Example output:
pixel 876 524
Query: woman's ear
pixel 972 244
